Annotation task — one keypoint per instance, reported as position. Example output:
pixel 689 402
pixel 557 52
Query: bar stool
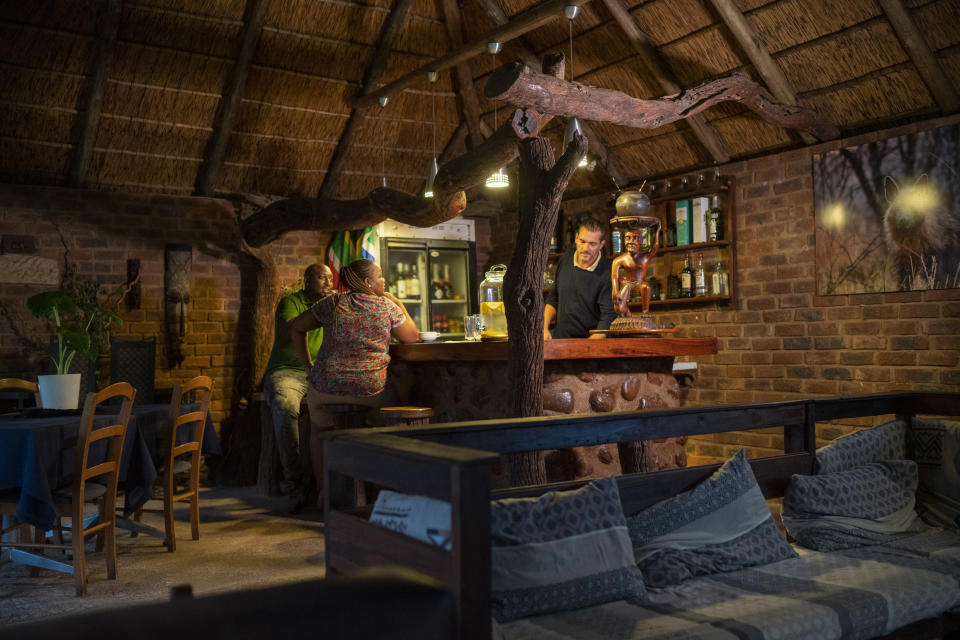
pixel 391 416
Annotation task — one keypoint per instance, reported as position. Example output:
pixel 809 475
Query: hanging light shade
pixel 434 168
pixel 498 180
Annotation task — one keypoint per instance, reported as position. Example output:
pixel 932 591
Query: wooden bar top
pixel 568 349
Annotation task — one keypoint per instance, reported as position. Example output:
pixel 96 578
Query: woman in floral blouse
pixel 351 365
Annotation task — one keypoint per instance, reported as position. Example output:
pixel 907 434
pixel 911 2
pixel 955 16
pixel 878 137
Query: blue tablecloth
pixel 37 457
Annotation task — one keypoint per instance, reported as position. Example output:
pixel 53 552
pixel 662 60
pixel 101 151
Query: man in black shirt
pixel 580 299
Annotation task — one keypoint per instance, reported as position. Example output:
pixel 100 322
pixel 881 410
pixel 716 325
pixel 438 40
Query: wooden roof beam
pixel 928 67
pixel 469 102
pixel 668 82
pixel 761 59
pixel 89 113
pixel 598 146
pixel 255 15
pixel 527 21
pixel 388 35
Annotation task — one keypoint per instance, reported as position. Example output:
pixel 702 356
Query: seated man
pixel 581 299
pixel 285 383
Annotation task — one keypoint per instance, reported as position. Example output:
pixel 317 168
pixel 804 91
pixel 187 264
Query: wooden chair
pixel 172 467
pixel 71 500
pixel 21 385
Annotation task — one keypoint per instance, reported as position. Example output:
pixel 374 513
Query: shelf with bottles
pixel 694 198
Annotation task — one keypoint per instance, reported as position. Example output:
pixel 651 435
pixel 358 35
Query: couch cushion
pixel 823 596
pixel 870 504
pixel 885 442
pixel 722 525
pixel 935 446
pixel 560 551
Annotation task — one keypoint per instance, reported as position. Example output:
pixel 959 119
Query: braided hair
pixel 354 276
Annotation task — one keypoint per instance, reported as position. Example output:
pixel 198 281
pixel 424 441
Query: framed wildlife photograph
pixel 888 214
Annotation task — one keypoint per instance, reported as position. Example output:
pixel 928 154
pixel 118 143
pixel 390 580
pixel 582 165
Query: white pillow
pixel 425 519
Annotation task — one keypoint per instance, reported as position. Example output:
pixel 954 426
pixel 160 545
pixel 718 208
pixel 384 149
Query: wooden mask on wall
pixel 178 266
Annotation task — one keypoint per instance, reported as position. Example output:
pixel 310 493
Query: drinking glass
pixel 471 327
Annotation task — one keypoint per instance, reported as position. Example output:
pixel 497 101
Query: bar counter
pixel 469 381
pixel 558 349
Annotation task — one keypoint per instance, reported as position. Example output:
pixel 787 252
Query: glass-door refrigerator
pixel 435 279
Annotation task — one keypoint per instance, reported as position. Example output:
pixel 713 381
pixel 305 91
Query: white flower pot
pixel 60 392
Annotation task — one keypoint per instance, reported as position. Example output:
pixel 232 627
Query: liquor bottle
pixel 721 280
pixel 699 278
pixel 686 279
pixel 616 242
pixel 436 284
pixel 554 246
pixel 714 229
pixel 401 280
pixel 570 236
pixel 673 286
pixel 448 292
pixel 413 282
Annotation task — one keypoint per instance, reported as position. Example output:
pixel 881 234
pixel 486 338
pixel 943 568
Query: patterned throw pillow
pixel 885 442
pixel 563 550
pixel 721 525
pixel 935 446
pixel 870 504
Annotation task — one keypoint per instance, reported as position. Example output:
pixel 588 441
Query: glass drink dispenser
pixel 492 312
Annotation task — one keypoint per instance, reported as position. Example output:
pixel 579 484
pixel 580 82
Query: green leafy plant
pixel 80 322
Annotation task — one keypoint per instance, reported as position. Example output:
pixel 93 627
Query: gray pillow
pixel 935 446
pixel 885 442
pixel 870 504
pixel 563 550
pixel 721 525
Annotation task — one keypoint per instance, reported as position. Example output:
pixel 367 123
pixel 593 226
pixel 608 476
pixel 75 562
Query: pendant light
pixel 383 100
pixel 499 179
pixel 434 168
pixel 573 125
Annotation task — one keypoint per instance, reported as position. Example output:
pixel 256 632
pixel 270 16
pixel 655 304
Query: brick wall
pixel 100 231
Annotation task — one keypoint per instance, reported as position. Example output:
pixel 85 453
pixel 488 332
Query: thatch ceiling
pixel 169 62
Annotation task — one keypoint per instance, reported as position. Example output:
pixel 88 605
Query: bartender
pixel 580 298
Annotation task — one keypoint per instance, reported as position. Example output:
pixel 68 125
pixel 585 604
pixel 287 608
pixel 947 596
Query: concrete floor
pixel 246 541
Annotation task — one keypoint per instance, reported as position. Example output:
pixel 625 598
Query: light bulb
pixel 434 168
pixel 573 128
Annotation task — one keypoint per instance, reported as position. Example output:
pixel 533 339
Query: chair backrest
pixel 116 431
pixel 134 361
pixel 202 386
pixel 18 384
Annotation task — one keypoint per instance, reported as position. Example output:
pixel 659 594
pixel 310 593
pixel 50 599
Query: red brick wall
pixel 102 230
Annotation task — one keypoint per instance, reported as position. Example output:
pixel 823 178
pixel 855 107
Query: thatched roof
pixel 167 66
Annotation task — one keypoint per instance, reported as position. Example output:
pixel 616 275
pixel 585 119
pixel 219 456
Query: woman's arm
pixel 299 327
pixel 407 330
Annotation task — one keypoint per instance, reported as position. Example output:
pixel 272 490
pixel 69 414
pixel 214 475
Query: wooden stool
pixel 405 415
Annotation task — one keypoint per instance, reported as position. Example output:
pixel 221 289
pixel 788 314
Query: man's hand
pixel 597 336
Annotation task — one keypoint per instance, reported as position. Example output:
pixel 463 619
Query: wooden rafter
pixel 668 82
pixel 255 15
pixel 931 72
pixel 597 145
pixel 468 93
pixel 89 113
pixel 759 57
pixel 388 35
pixel 527 21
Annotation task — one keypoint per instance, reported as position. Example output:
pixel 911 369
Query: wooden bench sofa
pixel 451 462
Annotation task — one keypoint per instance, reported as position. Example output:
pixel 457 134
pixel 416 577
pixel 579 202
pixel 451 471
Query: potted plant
pixel 79 322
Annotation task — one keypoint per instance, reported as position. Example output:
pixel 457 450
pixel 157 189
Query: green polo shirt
pixel 283 355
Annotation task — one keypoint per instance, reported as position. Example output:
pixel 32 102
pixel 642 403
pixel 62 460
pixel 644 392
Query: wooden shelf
pixel 682 302
pixel 693 247
pixel 690 192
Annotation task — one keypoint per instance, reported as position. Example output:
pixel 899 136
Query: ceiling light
pixel 434 168
pixel 498 180
pixel 573 125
